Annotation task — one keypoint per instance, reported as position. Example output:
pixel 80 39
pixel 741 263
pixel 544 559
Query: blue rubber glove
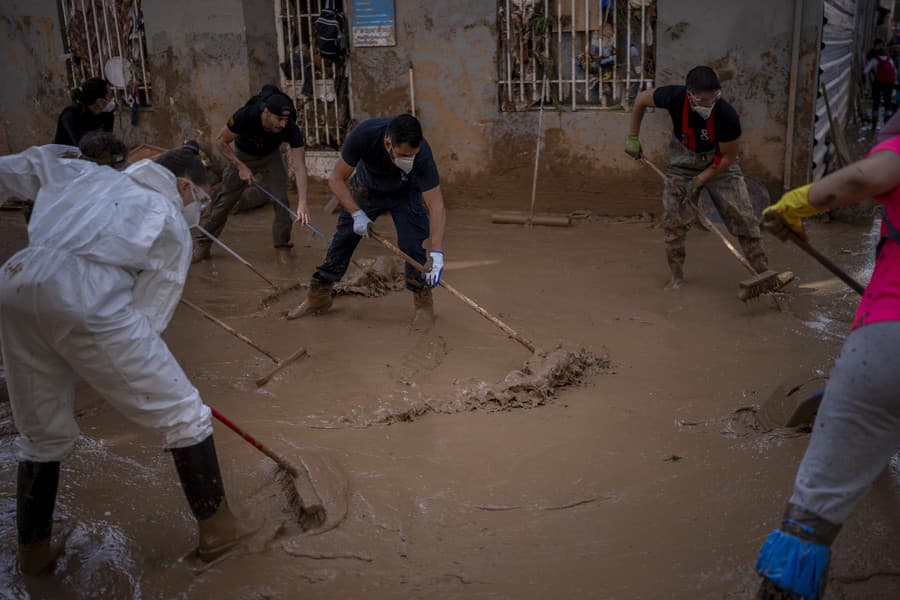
pixel 361 222
pixel 433 277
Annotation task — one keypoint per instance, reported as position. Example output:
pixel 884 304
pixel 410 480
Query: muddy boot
pixel 284 256
pixel 755 254
pixel 318 299
pixel 677 280
pixel 35 500
pixel 424 317
pixel 198 470
pixel 200 252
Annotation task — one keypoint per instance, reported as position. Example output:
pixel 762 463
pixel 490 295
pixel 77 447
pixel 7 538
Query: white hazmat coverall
pixel 105 266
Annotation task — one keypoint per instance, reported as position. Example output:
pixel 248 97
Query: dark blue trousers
pixel 410 218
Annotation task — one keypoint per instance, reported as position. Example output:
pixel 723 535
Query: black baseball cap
pixel 279 104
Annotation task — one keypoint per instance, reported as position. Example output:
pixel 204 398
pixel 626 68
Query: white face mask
pixel 703 111
pixel 193 211
pixel 404 163
pixel 191 214
pixel 110 106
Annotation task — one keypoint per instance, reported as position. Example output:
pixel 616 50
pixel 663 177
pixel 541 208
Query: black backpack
pixel 331 32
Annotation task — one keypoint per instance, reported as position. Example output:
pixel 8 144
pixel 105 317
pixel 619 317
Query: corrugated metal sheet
pixel 839 44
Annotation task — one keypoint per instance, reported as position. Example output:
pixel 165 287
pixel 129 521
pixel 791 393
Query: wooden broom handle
pixel 465 299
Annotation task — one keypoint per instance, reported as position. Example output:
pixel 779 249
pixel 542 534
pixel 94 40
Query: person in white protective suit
pixel 106 263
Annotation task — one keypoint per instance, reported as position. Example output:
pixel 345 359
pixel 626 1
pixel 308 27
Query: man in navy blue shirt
pixel 385 165
pixel 703 153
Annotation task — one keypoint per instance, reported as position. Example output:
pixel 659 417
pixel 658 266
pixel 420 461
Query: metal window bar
pixel 97 31
pixel 529 44
pixel 317 88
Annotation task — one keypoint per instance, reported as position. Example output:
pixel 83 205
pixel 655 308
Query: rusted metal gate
pixel 105 38
pixel 320 88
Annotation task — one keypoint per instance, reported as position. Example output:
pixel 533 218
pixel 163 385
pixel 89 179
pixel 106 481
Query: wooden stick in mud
pixel 465 299
pixel 230 330
pixel 513 218
pixel 282 364
pixel 412 90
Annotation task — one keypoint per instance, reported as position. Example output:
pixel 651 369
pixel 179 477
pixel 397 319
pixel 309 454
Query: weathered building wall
pixel 749 44
pixel 33 73
pixel 454 48
pixel 198 55
pixel 205 57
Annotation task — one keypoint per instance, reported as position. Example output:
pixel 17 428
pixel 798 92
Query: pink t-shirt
pixel 881 299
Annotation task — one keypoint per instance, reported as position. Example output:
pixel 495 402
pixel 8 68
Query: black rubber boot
pixel 35 499
pixel 201 480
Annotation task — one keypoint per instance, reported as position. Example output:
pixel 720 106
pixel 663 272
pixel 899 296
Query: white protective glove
pixel 361 222
pixel 433 277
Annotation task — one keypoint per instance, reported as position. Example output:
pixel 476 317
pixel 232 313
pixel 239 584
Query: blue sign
pixel 372 23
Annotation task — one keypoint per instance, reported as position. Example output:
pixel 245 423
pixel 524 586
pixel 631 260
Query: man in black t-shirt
pixel 258 130
pixel 385 165
pixel 702 155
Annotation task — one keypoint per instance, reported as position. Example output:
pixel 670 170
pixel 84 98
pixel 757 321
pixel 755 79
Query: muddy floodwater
pixel 640 476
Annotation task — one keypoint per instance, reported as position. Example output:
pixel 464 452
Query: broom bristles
pixel 310 514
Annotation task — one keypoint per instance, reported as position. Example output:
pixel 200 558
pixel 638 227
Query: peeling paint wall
pixel 199 58
pixel 454 50
pixel 205 59
pixel 749 44
pixel 33 73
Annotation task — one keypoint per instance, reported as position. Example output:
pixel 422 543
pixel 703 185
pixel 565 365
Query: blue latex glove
pixel 433 277
pixel 361 222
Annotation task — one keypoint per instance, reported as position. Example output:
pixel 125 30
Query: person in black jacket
pixel 91 110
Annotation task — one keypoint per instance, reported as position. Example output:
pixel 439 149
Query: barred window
pixel 105 39
pixel 583 54
pixel 320 88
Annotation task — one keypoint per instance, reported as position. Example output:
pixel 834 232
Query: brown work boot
pixel 424 317
pixel 318 299
pixel 219 533
pixel 284 255
pixel 200 252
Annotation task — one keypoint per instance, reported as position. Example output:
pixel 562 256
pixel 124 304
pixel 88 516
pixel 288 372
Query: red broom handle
pixel 284 464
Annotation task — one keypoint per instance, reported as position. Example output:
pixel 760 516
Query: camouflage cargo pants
pixel 729 195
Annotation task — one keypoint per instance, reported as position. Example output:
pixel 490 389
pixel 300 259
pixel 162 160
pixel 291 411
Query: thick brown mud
pixel 466 469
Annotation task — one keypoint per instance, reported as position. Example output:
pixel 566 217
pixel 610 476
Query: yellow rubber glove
pixel 633 146
pixel 793 207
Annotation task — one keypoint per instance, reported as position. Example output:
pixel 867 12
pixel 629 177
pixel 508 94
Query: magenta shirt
pixel 881 299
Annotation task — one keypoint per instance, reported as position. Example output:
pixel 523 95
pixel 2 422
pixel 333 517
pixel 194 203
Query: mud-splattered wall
pixel 487 156
pixel 204 58
pixel 33 73
pixel 199 57
pixel 749 44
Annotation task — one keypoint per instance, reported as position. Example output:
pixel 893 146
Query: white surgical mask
pixel 110 106
pixel 703 111
pixel 191 214
pixel 193 211
pixel 404 163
